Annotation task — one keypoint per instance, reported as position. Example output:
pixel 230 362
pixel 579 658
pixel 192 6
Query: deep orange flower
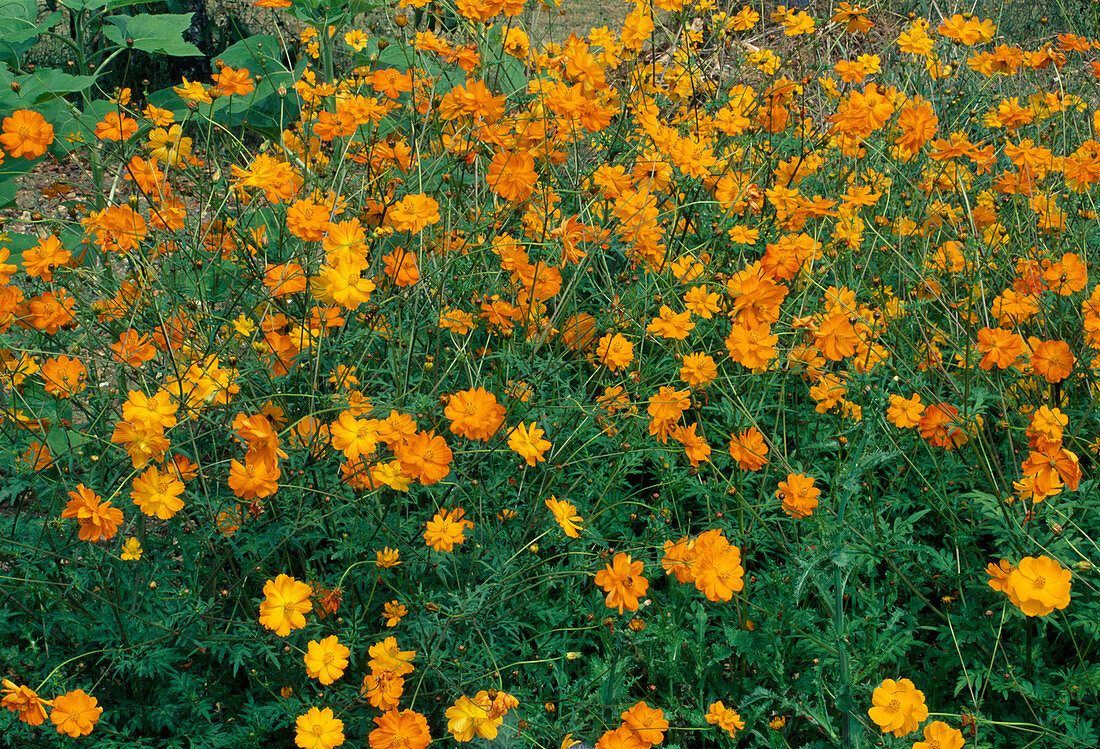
pixel 116 127
pixel 43 258
pixel 624 583
pixel 798 495
pixel 669 324
pixel 905 413
pixel 257 477
pixel 749 449
pixel 133 349
pixel 1052 360
pixel 97 519
pixel 615 351
pixel 400 730
pixel 999 347
pixel 648 723
pixel 23 700
pixel 64 377
pixel 26 134
pixel 426 457
pixel 232 82
pixel 512 175
pixel 941 426
pixel 158 494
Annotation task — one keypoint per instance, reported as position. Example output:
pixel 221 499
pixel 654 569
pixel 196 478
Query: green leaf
pixel 48 84
pixel 62 441
pixel 159 34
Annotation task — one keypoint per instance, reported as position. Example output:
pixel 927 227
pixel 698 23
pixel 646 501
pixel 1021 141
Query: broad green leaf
pixel 159 34
pixel 48 83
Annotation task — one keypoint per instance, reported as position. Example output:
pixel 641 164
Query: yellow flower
pixel 285 604
pixel 471 716
pixel 393 612
pixel 387 656
pixel 387 558
pixel 1039 585
pixel 131 550
pixel 939 735
pixel 566 515
pixel 326 660
pixel 898 707
pixel 193 91
pixel 356 39
pixel 529 443
pixel 319 729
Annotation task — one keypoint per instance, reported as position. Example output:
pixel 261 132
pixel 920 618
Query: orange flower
pixel 940 425
pixel 354 437
pixel 695 445
pixel 289 278
pixel 620 738
pixel 26 134
pixel 41 259
pixel 1000 348
pixel 75 713
pixel 725 718
pixel 898 707
pixel 615 351
pixel 232 82
pixel 97 519
pixel 474 414
pixel 133 348
pixel 566 515
pixel 401 266
pixel 286 602
pixel 473 717
pixel 116 127
pixel 623 582
pixel 51 311
pixel 749 450
pixel 798 495
pixel 412 213
pixel 1039 585
pixel 23 700
pixel 716 566
pixel 326 659
pixel 753 347
pixel 905 413
pixel 669 324
pixel 426 457
pixel 393 612
pixel 64 377
pixel 939 735
pixel 1052 360
pixel 446 529
pixel 648 723
pixel 400 730
pixel 512 175
pixel 257 477
pixel 158 494
pixel 383 689
pixel 142 442
pixel 998 574
pixel 698 369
